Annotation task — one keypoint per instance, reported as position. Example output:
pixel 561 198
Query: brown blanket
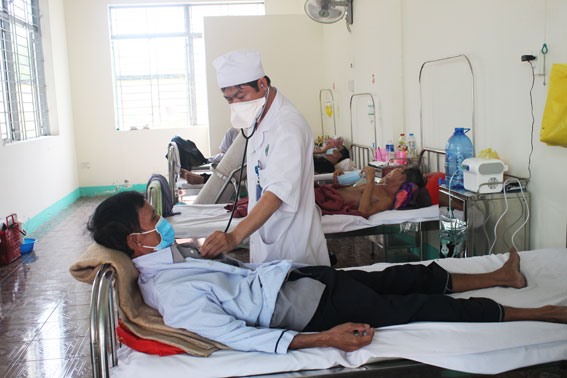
pixel 142 320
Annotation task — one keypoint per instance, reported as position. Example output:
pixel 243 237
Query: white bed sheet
pixel 201 220
pixel 482 348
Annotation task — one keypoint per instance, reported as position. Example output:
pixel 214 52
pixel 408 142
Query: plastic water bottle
pixel 458 148
pixel 402 145
pixel 390 152
pixel 412 146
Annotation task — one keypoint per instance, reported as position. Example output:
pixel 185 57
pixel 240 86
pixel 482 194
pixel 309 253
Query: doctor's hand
pixel 217 243
pixel 347 337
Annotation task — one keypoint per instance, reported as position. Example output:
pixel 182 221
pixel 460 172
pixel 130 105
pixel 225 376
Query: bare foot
pixel 510 273
pixel 556 314
pixel 191 177
pixel 549 313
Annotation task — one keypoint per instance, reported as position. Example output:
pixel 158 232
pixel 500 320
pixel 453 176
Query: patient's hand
pixel 370 173
pixel 336 174
pixel 347 337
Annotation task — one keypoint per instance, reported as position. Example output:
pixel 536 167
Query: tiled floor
pixel 44 326
pixel 44 323
pixel 43 310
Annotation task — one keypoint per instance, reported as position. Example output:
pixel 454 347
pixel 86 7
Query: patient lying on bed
pixel 333 152
pixel 270 307
pixel 399 189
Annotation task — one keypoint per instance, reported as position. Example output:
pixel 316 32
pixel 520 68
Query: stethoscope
pixel 254 127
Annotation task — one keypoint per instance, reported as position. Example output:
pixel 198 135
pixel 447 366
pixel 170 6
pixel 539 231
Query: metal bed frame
pixel 430 160
pixel 362 154
pixel 103 322
pixel 104 345
pixel 229 181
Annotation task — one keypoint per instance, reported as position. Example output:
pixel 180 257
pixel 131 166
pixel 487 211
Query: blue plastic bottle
pixel 458 148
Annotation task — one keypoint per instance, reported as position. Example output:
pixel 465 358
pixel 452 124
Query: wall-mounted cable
pixel 529 58
pixel 525 203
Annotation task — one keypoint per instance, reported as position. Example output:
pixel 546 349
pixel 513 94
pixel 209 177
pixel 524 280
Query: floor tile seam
pixel 76 346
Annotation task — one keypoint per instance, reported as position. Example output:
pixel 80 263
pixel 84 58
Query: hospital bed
pixel 419 349
pixel 202 219
pixel 221 186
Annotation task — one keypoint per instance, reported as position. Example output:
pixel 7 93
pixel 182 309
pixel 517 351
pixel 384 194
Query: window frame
pixel 192 114
pixel 18 121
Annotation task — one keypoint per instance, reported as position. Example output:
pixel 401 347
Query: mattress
pixel 201 220
pixel 482 348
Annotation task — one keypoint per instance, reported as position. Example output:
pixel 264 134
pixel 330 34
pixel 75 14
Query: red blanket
pixel 331 202
pixel 241 208
pixel 326 197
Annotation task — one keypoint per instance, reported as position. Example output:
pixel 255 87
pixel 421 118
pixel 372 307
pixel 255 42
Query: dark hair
pixel 344 153
pixel 413 174
pixel 254 84
pixel 115 218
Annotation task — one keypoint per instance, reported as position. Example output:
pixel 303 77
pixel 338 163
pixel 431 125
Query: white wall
pixel 106 156
pixel 503 82
pixel 37 173
pixel 394 38
pixel 389 38
pixel 284 63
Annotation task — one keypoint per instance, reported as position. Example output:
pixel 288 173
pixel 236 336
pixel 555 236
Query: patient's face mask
pixel 165 231
pixel 244 115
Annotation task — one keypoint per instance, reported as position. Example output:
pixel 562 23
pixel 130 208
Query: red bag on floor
pixel 10 241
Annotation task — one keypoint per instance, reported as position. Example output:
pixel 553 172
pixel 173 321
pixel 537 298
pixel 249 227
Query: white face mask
pixel 244 115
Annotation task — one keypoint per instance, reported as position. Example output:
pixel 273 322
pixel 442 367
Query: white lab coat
pixel 282 149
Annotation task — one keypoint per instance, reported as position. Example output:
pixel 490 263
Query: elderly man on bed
pixel 277 306
pixel 399 189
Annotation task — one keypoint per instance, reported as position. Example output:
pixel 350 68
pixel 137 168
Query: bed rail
pixel 361 155
pixel 236 176
pixel 103 322
pixel 431 160
pixel 173 169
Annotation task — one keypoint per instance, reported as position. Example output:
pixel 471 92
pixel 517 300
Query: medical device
pixel 483 175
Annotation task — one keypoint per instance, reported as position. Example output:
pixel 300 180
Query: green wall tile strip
pixel 91 191
pixel 33 223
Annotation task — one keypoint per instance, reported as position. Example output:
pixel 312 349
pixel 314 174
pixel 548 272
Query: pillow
pixel 345 165
pixel 432 185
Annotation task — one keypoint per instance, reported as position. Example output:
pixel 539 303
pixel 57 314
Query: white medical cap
pixel 238 67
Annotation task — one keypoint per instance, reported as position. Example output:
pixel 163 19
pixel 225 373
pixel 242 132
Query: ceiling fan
pixel 329 11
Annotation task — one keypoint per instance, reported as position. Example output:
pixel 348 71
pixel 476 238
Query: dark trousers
pixel 397 295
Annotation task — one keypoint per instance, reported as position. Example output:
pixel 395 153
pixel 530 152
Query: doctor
pixel 283 221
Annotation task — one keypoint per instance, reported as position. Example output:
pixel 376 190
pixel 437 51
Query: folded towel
pixel 140 318
pixel 154 195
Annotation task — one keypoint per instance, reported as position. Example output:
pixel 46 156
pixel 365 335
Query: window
pixel 158 60
pixel 23 100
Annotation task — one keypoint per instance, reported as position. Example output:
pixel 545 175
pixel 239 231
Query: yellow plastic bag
pixel 488 153
pixel 554 123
